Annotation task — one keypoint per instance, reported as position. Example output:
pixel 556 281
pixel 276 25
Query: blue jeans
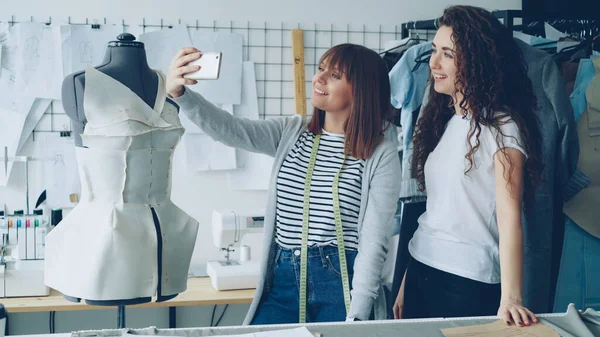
pixel 324 292
pixel 579 276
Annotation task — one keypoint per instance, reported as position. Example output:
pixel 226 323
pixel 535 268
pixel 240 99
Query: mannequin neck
pixel 129 66
pixel 131 58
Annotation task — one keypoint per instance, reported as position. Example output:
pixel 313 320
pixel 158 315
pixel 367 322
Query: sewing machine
pixel 228 228
pixel 22 274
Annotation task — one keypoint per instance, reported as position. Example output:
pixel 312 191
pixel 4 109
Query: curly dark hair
pixel 492 77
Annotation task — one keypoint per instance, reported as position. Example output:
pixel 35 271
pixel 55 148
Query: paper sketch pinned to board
pixel 10 98
pixel 10 134
pixel 31 53
pixel 16 109
pixel 8 42
pixel 60 174
pixel 39 68
pixel 83 45
pixel 205 154
pixel 9 140
pixel 254 169
pixel 36 112
pixel 162 45
pixel 228 88
pixel 190 127
pixel 4 31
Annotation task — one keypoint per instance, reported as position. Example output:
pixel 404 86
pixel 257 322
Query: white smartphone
pixel 210 66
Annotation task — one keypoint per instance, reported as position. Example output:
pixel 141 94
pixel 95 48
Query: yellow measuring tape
pixel 299 77
pixel 338 230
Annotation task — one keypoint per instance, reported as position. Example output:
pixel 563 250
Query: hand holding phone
pixel 210 67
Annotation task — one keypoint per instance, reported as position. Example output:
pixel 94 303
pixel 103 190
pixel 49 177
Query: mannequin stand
pixel 121 317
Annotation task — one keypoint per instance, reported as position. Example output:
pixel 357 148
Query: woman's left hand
pixel 513 312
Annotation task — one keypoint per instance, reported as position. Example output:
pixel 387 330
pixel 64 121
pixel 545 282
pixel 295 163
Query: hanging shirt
pixel 290 193
pixel 585 73
pixel 582 208
pixel 408 87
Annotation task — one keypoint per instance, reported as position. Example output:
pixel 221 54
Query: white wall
pixel 199 194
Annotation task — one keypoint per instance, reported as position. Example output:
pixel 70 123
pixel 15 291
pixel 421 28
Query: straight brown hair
pixel 367 73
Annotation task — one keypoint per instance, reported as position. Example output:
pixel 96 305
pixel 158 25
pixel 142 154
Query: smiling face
pixel 443 62
pixel 331 90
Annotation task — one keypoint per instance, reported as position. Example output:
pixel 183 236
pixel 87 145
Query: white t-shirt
pixel 458 233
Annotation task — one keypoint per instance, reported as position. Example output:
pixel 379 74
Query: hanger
pixel 423 58
pixel 415 30
pixel 574 53
pixel 533 28
pixel 405 41
pixel 549 47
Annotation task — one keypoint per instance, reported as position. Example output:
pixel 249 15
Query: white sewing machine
pixel 228 228
pixel 22 262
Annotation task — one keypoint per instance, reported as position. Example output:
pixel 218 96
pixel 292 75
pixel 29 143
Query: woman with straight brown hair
pixel 333 190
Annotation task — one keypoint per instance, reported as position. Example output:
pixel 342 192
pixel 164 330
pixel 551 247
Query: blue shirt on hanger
pixel 408 89
pixel 585 73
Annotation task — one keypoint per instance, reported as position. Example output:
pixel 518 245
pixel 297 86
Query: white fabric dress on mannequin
pixel 106 248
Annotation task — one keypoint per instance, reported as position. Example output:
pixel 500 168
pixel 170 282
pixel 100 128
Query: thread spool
pixel 56 216
pixel 245 253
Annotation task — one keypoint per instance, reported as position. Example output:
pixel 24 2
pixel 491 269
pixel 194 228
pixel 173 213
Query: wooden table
pixel 199 292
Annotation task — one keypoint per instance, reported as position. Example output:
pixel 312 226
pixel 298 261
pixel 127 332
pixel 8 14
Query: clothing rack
pixel 414 25
pixel 507 17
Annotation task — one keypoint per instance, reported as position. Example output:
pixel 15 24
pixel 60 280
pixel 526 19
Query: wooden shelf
pixel 199 292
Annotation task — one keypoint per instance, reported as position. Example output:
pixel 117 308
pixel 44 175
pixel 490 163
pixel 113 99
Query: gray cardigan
pixel 276 137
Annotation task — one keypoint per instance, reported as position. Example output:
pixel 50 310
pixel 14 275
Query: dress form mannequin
pixel 135 242
pixel 125 61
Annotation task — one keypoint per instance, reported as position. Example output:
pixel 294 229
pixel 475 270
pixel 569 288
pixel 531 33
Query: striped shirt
pixel 290 193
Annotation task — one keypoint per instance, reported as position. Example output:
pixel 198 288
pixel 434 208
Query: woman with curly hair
pixel 477 150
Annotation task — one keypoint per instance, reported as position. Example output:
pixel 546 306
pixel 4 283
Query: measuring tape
pixel 299 78
pixel 338 231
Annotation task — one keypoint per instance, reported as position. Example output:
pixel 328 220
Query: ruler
pixel 299 77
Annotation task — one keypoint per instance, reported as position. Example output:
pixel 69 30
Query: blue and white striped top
pixel 290 193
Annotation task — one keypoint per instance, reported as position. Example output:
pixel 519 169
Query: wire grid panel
pixel 268 45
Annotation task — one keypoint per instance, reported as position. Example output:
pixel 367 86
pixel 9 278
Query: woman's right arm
pixel 261 136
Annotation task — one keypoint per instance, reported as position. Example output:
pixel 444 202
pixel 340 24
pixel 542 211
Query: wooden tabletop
pixel 199 292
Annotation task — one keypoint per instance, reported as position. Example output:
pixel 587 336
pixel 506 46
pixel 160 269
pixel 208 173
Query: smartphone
pixel 210 66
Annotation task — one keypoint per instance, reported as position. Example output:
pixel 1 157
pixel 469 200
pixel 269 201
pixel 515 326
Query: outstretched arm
pixel 262 136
